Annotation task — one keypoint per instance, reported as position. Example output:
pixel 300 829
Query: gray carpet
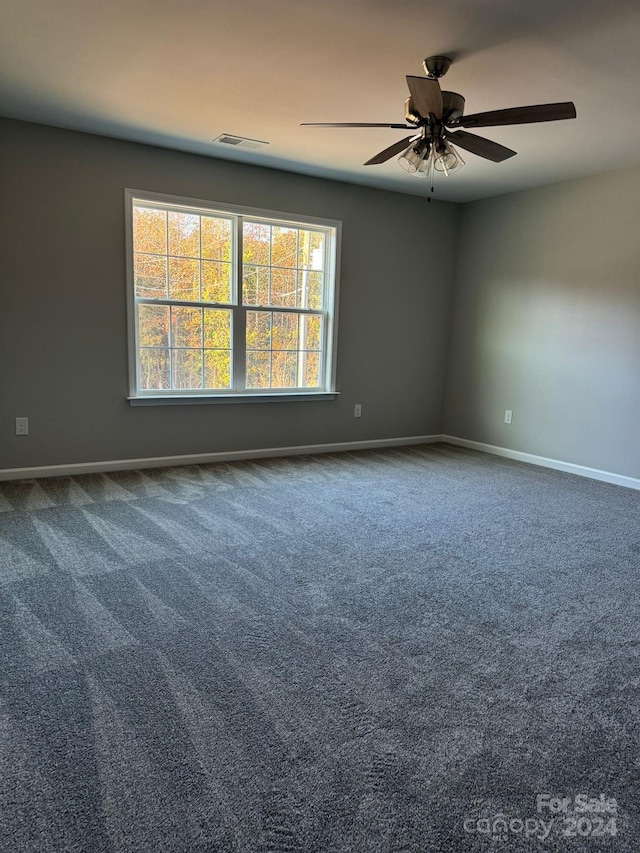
pixel 379 651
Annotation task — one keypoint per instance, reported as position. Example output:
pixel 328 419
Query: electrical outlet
pixel 508 415
pixel 22 426
pixel 357 410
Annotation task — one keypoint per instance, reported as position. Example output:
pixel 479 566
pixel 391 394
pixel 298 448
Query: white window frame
pixel 332 228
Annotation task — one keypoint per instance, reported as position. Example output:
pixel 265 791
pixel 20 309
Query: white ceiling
pixel 178 73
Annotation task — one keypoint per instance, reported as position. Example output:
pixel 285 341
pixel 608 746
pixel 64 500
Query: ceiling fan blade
pixel 480 146
pixel 426 95
pixel 352 124
pixel 520 115
pixel 389 152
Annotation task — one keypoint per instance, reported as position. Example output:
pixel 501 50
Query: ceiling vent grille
pixel 239 141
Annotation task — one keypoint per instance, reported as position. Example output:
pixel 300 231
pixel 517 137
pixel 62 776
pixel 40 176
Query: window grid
pixel 208 324
pixel 299 271
pixel 303 335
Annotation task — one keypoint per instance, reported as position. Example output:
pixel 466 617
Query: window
pixel 228 303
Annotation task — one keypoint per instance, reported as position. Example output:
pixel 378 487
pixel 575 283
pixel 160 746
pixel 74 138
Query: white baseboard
pixel 299 450
pixel 204 458
pixel 557 464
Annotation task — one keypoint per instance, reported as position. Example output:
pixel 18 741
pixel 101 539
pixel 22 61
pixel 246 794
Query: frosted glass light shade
pixel 447 158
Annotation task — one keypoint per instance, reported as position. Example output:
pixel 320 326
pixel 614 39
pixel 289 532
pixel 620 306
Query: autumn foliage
pixel 192 292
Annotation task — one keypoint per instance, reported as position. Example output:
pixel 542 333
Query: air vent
pixel 239 141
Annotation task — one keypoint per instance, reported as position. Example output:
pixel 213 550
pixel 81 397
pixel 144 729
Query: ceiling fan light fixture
pixel 423 158
pixel 447 159
pixel 423 166
pixel 412 158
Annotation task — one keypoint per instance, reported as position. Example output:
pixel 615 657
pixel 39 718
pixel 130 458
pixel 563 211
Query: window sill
pixel 206 399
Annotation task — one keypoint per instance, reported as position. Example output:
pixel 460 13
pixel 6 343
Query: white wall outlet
pixel 22 426
pixel 508 416
pixel 357 410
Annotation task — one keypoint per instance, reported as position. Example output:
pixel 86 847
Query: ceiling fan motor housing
pixel 452 107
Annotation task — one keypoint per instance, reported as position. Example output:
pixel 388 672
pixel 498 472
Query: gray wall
pixel 63 320
pixel 546 311
pixel 546 322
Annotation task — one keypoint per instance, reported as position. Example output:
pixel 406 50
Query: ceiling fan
pixel 434 116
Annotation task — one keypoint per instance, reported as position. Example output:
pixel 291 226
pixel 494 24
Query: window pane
pixel 216 238
pixel 187 368
pixel 294 340
pixel 284 247
pixel 149 230
pixel 310 327
pixel 311 289
pixel 311 249
pixel 310 369
pixel 285 331
pixel 283 288
pixel 150 275
pixel 255 285
pixel 217 368
pixel 154 369
pixel 186 327
pixel 283 369
pixel 153 325
pixel 256 239
pixel 184 279
pixel 216 282
pixel 186 257
pixel 258 330
pixel 184 234
pixel 217 329
pixel 258 369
